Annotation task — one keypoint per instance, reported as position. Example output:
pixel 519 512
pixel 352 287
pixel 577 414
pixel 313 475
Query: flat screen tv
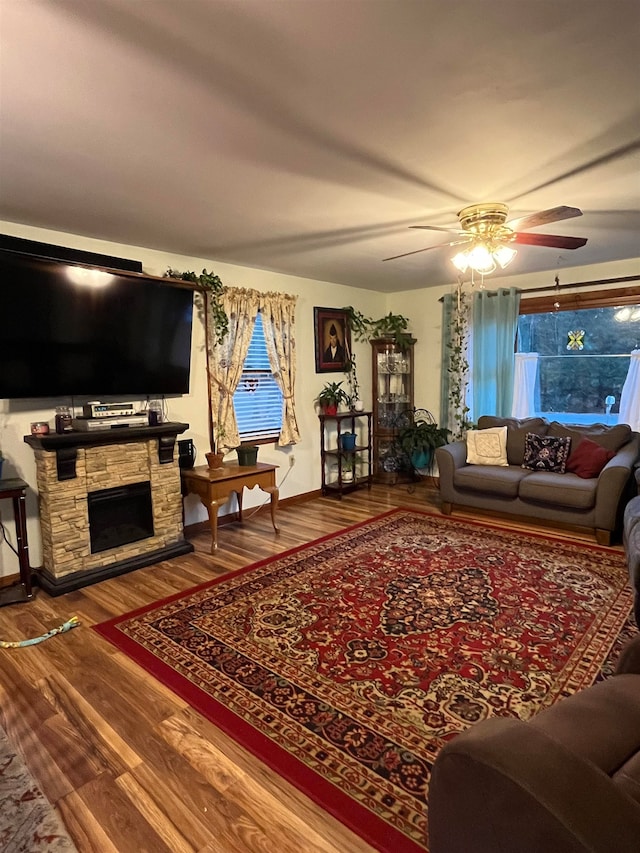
pixel 68 330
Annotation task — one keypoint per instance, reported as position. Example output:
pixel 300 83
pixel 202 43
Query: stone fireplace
pixel 110 502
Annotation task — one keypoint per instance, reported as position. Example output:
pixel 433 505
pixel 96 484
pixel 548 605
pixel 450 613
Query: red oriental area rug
pixel 347 663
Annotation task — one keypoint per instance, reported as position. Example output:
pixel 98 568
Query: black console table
pixel 16 489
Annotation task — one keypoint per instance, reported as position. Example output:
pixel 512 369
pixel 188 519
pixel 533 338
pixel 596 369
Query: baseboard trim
pixel 68 583
pixel 231 517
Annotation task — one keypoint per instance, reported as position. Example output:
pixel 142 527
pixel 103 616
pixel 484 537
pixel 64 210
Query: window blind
pixel 258 399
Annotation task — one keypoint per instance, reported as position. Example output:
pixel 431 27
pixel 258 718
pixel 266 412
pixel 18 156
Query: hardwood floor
pixel 131 767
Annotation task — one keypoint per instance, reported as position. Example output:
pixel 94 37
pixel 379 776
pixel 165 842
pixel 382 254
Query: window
pixel 583 351
pixel 258 399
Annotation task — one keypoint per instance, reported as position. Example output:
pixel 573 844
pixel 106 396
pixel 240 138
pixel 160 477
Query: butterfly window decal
pixel 576 340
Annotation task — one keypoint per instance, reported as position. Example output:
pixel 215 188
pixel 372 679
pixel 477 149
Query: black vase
pixel 186 453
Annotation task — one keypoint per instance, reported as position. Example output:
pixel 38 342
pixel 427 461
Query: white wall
pixel 422 307
pixel 17 415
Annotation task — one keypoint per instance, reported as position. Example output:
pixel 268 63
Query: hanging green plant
pixel 366 329
pixel 212 288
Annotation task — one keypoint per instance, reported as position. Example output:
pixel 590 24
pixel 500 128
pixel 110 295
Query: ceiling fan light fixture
pixel 461 261
pixel 484 258
pixel 504 255
pixel 481 259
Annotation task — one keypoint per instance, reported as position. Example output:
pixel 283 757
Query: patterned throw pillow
pixel 487 446
pixel 546 452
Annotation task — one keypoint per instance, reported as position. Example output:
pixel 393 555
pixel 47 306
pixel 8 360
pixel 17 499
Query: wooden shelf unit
pixel 336 461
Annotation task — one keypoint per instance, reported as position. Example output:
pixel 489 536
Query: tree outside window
pixel 583 359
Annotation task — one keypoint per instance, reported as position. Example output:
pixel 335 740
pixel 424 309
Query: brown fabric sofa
pixel 596 503
pixel 631 540
pixel 566 781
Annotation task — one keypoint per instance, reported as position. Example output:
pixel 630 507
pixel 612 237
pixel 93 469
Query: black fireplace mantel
pixel 65 445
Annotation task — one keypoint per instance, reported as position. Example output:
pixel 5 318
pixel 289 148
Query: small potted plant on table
pixel 215 456
pixel 247 454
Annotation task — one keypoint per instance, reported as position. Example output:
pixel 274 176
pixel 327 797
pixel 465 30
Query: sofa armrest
pixel 614 479
pixel 449 458
pixel 504 785
pixel 629 660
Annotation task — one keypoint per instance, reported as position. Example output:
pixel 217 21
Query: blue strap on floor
pixel 67 626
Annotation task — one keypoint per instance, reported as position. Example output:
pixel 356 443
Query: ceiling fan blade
pixel 544 217
pixel 428 248
pixel 555 241
pixel 437 228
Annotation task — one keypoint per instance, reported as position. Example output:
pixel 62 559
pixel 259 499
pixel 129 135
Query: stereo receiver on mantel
pixel 107 410
pixel 102 423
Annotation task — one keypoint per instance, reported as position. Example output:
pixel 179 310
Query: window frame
pixel 575 301
pixel 554 301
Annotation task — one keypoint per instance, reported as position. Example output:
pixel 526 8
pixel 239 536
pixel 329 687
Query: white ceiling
pixel 305 136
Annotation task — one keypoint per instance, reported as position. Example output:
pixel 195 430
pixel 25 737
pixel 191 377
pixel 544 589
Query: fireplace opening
pixel 119 516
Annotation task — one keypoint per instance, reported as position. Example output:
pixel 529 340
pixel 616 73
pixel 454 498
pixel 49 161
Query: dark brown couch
pixel 566 499
pixel 566 781
pixel 631 540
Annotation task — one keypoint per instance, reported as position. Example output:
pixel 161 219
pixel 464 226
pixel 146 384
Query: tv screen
pixel 70 330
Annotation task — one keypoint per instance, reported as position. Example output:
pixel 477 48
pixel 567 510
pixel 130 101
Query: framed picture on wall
pixel 332 338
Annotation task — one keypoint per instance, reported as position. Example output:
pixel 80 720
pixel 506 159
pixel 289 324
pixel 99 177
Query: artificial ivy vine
pixel 458 367
pixel 212 287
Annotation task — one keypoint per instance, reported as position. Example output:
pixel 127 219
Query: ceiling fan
pixel 484 228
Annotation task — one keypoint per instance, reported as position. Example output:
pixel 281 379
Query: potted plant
pixel 247 454
pixel 391 325
pixel 348 467
pixel 419 441
pixel 331 396
pixel 215 456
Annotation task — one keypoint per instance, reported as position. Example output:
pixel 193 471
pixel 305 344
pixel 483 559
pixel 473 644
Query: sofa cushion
pixel 516 432
pixel 487 446
pixel 490 479
pixel 546 453
pixel 609 437
pixel 563 490
pixel 588 459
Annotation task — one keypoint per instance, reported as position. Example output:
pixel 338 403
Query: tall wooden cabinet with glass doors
pixel 392 385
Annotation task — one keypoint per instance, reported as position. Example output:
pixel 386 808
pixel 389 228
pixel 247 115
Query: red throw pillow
pixel 588 459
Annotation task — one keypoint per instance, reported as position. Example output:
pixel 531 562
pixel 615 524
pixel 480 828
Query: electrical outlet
pixel 292 461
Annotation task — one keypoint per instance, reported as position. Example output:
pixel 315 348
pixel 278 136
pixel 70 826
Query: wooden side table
pixel 214 486
pixel 15 489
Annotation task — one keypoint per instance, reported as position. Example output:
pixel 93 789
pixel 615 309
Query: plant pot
pixel 348 440
pixel 248 455
pixel 347 476
pixel 331 410
pixel 421 458
pixel 358 406
pixel 214 460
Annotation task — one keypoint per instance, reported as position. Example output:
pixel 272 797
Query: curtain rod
pixel 557 286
